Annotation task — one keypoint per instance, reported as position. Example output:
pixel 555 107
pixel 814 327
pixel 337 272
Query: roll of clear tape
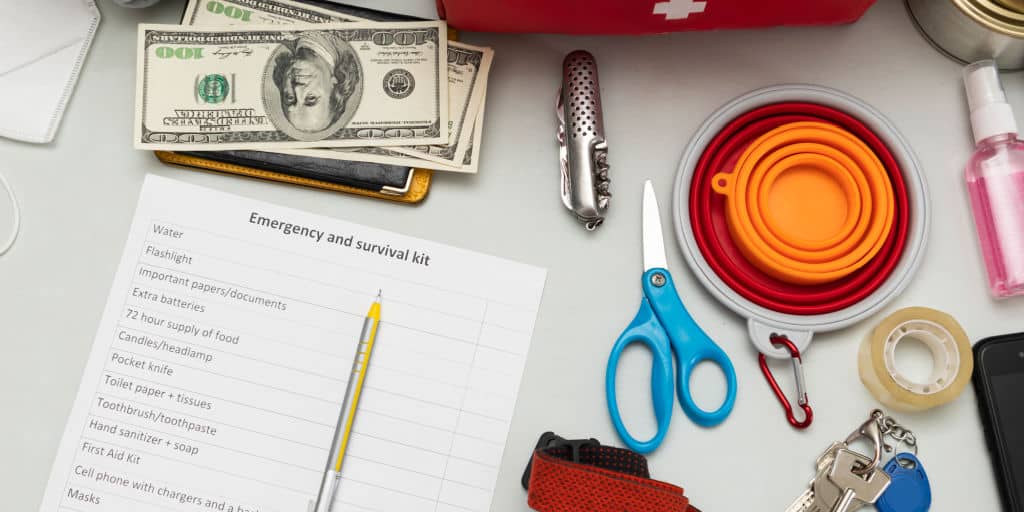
pixel 952 365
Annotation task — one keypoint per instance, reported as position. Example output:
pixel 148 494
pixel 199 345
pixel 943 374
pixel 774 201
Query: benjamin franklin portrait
pixel 314 85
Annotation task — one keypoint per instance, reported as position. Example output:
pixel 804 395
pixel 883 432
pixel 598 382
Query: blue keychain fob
pixel 909 490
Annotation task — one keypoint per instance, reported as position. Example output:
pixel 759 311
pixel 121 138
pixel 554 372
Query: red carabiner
pixel 801 390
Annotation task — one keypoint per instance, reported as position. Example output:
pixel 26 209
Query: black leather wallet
pixel 363 175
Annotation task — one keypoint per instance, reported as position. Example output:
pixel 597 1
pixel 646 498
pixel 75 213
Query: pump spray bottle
pixel 995 179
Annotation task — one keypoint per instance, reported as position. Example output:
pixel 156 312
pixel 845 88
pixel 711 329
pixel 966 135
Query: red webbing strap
pixel 605 479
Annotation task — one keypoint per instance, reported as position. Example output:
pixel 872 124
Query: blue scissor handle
pixel 690 346
pixel 645 329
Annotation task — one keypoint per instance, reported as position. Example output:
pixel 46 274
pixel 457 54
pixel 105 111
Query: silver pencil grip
pixel 328 488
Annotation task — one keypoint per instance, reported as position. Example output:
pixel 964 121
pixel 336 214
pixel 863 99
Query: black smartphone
pixel 999 384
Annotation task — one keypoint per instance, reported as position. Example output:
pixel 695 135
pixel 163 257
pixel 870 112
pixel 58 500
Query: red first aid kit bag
pixel 642 16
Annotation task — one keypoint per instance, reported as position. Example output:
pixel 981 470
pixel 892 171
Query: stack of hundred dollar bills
pixel 287 77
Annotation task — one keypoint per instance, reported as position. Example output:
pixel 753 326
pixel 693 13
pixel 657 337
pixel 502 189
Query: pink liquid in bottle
pixel 995 180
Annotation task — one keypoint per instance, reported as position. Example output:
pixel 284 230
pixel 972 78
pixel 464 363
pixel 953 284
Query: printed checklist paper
pixel 219 368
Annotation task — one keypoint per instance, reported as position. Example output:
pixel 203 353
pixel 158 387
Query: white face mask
pixel 7 241
pixel 44 43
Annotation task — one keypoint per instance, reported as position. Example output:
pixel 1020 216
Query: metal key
pixel 803 502
pixel 826 494
pixel 822 495
pixel 827 457
pixel 810 501
pixel 807 501
pixel 858 490
pixel 826 491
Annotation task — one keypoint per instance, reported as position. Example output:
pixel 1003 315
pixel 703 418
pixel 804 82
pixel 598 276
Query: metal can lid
pixel 996 15
pixel 1013 5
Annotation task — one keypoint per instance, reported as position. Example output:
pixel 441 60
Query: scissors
pixel 668 331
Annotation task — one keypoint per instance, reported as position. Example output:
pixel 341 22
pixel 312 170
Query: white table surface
pixel 78 195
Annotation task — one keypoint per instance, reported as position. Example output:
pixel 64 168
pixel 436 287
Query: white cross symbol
pixel 679 9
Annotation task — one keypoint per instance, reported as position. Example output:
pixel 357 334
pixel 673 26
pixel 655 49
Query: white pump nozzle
pixel 991 115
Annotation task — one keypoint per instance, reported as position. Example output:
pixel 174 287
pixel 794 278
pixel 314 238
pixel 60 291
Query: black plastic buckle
pixel 551 440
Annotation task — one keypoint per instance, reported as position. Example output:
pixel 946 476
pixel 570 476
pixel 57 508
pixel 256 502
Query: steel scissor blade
pixel 654 239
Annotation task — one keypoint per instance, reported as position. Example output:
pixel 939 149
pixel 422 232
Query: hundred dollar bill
pixel 472 159
pixel 330 85
pixel 467 81
pixel 468 67
pixel 389 156
pixel 257 12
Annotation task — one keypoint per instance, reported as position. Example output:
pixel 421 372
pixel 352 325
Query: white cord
pixel 17 216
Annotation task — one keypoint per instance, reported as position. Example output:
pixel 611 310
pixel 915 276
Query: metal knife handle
pixel 584 150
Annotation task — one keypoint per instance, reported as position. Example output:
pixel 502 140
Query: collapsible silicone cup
pixel 805 268
pixel 712 235
pixel 775 195
pixel 828 105
pixel 855 205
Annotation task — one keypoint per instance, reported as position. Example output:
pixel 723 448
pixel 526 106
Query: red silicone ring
pixel 711 232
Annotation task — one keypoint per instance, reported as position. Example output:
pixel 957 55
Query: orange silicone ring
pixel 869 167
pixel 779 233
pixel 775 196
pixel 756 228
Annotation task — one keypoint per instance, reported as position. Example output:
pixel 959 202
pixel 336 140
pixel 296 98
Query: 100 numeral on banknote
pixel 258 12
pixel 335 85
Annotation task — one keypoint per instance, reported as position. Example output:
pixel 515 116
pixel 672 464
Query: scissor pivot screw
pixel 658 279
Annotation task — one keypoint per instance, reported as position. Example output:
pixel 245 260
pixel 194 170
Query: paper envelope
pixel 43 44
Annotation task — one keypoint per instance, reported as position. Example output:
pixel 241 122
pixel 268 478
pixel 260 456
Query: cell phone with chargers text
pixel 999 384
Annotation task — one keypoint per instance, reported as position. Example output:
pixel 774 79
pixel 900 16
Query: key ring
pixel 905 464
pixel 888 426
pixel 872 431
